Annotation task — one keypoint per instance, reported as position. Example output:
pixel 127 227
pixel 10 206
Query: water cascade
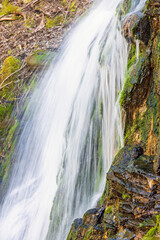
pixel 70 131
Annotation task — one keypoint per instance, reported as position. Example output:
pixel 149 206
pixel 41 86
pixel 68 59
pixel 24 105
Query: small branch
pixel 6 85
pixel 7 19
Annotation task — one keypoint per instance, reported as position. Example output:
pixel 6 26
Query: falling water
pixel 70 132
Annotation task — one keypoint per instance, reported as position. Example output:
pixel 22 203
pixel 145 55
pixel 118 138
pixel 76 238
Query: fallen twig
pixel 7 19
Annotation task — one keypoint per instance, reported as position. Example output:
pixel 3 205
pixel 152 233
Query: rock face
pixel 130 205
pixel 130 201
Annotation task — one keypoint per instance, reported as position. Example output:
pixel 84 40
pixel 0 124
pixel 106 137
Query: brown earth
pixel 32 26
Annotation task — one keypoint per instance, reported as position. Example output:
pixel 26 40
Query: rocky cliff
pixel 130 205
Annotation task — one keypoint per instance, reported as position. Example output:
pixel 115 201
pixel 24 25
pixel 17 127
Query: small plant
pixel 151 234
pixel 125 196
pixel 109 210
pixel 8 8
pixel 56 21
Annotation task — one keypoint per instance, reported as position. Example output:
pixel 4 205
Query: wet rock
pixel 77 222
pixel 141 30
pixel 93 216
pixel 125 235
pixel 132 174
pixel 137 26
pixel 156 165
pixel 137 83
pixel 37 58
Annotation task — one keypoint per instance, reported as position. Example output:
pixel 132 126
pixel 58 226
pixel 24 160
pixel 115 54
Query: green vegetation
pixel 125 6
pixel 136 72
pixel 109 210
pixel 147 223
pixel 72 7
pixel 125 196
pixel 29 22
pixel 56 21
pixel 151 234
pixel 9 146
pixel 7 85
pixel 36 58
pixel 8 8
pixel 88 235
pixel 10 65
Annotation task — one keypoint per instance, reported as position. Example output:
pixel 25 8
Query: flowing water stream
pixel 70 131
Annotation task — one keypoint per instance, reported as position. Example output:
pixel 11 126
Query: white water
pixel 58 155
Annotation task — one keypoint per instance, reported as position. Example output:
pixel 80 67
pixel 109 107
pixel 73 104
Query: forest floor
pixel 27 25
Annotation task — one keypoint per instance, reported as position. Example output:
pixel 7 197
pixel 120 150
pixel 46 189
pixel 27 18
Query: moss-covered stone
pixel 138 73
pixel 37 58
pixel 9 144
pixel 10 65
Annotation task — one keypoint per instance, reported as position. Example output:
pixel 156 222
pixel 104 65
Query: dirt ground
pixel 38 24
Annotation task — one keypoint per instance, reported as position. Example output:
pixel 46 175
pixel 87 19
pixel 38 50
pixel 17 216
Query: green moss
pixel 129 131
pixel 10 65
pixel 36 58
pixel 29 22
pixel 128 85
pixel 5 110
pixel 72 7
pixel 147 223
pixel 125 7
pixel 109 210
pixel 9 148
pixel 151 234
pixel 11 133
pixel 136 73
pixel 8 8
pixel 101 108
pixel 88 234
pixel 125 196
pixel 56 21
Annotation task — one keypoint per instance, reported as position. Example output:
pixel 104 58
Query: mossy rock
pixel 37 58
pixel 127 154
pixel 7 77
pixel 153 233
pixel 10 65
pixel 137 82
pixel 9 147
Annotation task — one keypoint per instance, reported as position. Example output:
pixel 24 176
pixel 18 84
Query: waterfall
pixel 70 131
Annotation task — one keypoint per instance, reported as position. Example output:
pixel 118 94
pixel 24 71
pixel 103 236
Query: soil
pixel 30 26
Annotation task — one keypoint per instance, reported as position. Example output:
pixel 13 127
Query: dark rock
pixel 142 30
pixel 77 222
pixel 93 216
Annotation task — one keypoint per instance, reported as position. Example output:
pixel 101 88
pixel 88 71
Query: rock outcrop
pixel 130 205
